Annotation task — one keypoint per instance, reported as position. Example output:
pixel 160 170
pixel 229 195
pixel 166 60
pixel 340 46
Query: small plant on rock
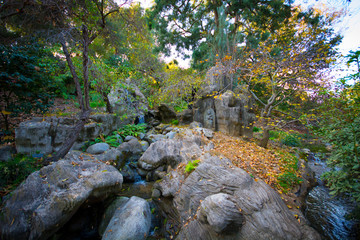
pixel 191 166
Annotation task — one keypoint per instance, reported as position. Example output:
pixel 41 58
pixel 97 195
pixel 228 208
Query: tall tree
pixel 289 63
pixel 75 25
pixel 199 25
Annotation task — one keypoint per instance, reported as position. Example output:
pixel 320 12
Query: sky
pixel 349 26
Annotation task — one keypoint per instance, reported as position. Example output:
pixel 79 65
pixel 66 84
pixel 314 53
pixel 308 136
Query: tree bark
pixel 86 43
pixel 109 108
pixel 73 73
pixel 265 139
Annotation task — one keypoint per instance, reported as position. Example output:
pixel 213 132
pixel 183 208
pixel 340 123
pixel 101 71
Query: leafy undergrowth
pixel 275 166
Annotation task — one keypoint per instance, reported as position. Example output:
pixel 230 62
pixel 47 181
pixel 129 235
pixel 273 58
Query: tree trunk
pixel 71 138
pixel 74 75
pixel 265 139
pixel 86 44
pixel 109 108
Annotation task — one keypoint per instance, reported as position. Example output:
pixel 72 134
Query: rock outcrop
pixel 48 198
pixel 229 113
pixel 220 201
pixel 47 135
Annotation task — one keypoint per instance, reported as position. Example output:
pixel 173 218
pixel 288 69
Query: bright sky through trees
pixel 348 27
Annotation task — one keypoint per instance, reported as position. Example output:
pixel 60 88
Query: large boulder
pixel 220 201
pixel 131 220
pixel 185 117
pixel 230 113
pixel 169 152
pixel 204 112
pixel 130 152
pixel 128 100
pixel 48 198
pixel 166 113
pixel 48 135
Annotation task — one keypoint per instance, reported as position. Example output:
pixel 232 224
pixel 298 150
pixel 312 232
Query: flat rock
pixel 98 148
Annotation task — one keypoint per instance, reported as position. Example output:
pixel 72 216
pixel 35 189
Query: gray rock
pixel 247 210
pixel 6 152
pixel 48 198
pixel 130 152
pixel 131 221
pixel 155 193
pixel 168 152
pixel 98 148
pixel 109 213
pixel 167 113
pixel 110 155
pixel 221 213
pixel 129 101
pixel 170 135
pixel 195 125
pixel 129 138
pixel 185 117
pixel 129 173
pixel 204 110
pixel 207 132
pixel 155 137
pixel 31 137
pixel 228 113
pixel 144 145
pixel 49 134
pixel 171 184
pixel 142 135
pixel 168 129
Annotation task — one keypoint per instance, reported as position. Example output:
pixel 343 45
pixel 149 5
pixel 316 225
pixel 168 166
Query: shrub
pixel 291 140
pixel 256 129
pixel 132 130
pixel 14 171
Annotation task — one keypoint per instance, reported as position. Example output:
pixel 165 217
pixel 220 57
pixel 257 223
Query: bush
pixel 291 140
pixel 289 178
pixel 14 171
pixel 132 130
pixel 26 84
pixel 256 129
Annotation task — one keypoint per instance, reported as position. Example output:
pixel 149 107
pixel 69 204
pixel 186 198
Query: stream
pixel 327 214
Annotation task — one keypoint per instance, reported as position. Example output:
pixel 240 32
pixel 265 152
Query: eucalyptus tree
pixel 206 26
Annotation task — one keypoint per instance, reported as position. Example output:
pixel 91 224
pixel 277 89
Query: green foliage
pixel 291 140
pixel 174 122
pixel 340 126
pixel 26 85
pixel 256 129
pixel 192 22
pixel 274 135
pixel 132 130
pixel 96 100
pixel 289 178
pixel 14 171
pixel 191 166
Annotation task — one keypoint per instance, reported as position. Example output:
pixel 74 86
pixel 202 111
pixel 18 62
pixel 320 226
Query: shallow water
pixel 327 214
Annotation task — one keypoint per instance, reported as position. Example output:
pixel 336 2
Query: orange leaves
pixel 261 163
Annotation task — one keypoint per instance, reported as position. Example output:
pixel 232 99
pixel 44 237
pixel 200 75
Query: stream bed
pixel 326 213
